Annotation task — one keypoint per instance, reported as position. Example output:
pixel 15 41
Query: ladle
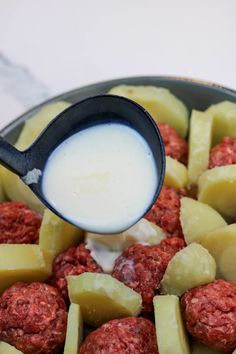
pixel 29 164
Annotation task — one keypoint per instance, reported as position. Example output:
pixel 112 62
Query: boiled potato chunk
pixel 35 125
pixel 176 174
pixel 199 348
pixel 22 263
pixel 170 331
pixel 56 235
pixel 217 187
pixel 198 219
pixel 159 102
pixel 74 331
pixel 105 249
pixel 2 192
pixel 142 231
pixel 224 115
pixel 14 188
pixel 6 348
pixel 221 244
pixel 200 139
pixel 190 267
pixel 103 298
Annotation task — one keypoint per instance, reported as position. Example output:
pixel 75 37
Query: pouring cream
pixel 102 178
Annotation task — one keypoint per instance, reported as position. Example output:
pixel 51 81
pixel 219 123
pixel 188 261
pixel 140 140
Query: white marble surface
pixel 50 46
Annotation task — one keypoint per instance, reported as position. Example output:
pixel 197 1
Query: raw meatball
pixel 210 314
pixel 127 336
pixel 172 245
pixel 18 223
pixel 175 146
pixel 33 318
pixel 141 267
pixel 223 153
pixel 166 211
pixel 74 261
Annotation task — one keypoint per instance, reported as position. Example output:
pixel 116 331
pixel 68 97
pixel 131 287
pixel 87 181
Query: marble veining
pixel 20 83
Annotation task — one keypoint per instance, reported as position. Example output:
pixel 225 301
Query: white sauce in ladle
pixel 102 178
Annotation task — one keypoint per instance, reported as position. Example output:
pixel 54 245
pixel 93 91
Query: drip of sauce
pixel 102 178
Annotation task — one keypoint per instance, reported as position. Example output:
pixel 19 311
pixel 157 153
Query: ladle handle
pixel 12 158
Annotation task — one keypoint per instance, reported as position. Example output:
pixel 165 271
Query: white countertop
pixel 51 46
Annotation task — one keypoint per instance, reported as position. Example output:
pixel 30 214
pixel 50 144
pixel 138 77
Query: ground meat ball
pixel 18 223
pixel 129 335
pixel 141 267
pixel 175 146
pixel 172 245
pixel 210 314
pixel 33 318
pixel 165 211
pixel 223 153
pixel 74 261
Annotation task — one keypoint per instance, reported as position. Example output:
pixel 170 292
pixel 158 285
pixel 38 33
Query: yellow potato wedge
pixel 35 125
pixel 159 102
pixel 2 191
pixel 198 219
pixel 56 235
pixel 105 249
pixel 22 263
pixel 217 187
pixel 199 348
pixel 6 348
pixel 200 139
pixel 103 298
pixel 74 331
pixel 142 231
pixel 221 244
pixel 15 189
pixel 176 174
pixel 170 331
pixel 224 115
pixel 190 267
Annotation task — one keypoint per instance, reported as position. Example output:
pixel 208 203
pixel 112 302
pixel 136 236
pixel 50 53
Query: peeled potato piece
pixel 176 174
pixel 74 331
pixel 56 235
pixel 34 126
pixel 221 244
pixel 198 219
pixel 217 187
pixel 190 267
pixel 170 331
pixel 159 102
pixel 199 348
pixel 6 348
pixel 224 115
pixel 103 298
pixel 2 192
pixel 14 188
pixel 105 249
pixel 200 139
pixel 142 231
pixel 22 263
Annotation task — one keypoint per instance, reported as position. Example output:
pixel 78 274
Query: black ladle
pixel 29 164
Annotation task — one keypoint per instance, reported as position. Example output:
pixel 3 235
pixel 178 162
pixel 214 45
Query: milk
pixel 102 178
